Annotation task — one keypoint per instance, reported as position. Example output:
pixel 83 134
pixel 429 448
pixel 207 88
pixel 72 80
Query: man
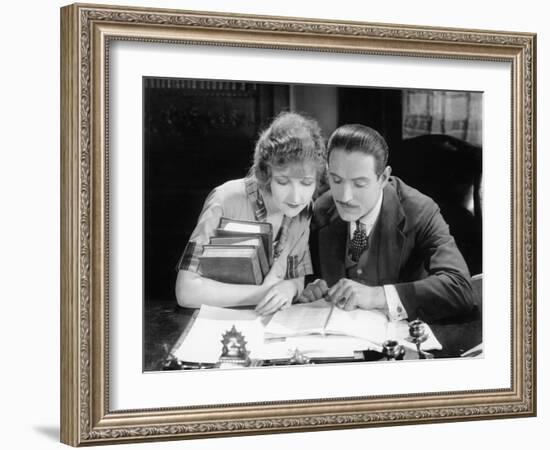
pixel 382 244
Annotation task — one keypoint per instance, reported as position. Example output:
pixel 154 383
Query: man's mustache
pixel 347 204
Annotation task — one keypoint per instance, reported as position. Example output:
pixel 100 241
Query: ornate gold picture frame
pixel 87 33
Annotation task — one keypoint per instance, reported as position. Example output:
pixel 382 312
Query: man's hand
pixel 279 296
pixel 313 291
pixel 348 295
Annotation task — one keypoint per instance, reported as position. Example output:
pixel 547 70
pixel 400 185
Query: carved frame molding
pixel 86 32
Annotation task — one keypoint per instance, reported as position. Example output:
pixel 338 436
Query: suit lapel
pixel 386 243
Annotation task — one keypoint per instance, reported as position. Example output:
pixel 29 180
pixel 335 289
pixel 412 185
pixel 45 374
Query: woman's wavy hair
pixel 290 138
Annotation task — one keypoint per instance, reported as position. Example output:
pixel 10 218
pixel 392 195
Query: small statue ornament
pixel 234 352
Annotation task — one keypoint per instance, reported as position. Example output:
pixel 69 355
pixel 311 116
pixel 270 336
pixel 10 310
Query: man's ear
pixel 385 176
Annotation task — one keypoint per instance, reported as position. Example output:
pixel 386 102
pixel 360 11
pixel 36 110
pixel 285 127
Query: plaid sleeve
pixel 298 265
pixel 298 262
pixel 209 220
pixel 189 259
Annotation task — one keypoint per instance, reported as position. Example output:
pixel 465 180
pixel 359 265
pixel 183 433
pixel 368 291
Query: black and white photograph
pixel 280 224
pixel 306 224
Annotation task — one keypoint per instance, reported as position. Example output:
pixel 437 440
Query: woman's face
pixel 292 187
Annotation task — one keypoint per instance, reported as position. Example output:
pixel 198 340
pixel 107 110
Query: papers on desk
pixel 203 343
pixel 314 347
pixel 316 329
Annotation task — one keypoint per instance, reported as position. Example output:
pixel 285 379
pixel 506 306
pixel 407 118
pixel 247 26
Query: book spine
pixel 256 269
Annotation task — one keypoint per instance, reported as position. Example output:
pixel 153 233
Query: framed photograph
pixel 165 115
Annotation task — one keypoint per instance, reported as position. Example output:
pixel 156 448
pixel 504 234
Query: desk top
pixel 164 323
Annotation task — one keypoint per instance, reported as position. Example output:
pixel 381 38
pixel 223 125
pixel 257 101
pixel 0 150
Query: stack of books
pixel 241 252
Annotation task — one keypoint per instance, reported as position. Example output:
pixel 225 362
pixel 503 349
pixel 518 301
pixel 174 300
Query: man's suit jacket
pixel 409 247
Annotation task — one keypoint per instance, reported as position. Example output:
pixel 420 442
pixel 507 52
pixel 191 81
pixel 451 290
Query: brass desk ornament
pixel 392 350
pixel 234 352
pixel 418 334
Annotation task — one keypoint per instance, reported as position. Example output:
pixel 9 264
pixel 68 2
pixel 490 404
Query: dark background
pixel 201 133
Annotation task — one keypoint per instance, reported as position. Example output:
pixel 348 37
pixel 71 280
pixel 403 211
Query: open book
pixel 322 317
pixel 298 327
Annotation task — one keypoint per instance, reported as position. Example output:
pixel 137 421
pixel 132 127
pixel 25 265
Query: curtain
pixel 456 114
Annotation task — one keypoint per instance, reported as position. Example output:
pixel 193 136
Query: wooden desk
pixel 164 321
pixel 458 336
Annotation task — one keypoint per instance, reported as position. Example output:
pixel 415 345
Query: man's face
pixel 353 182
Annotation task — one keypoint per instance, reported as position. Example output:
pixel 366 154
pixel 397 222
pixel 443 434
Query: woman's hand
pixel 278 297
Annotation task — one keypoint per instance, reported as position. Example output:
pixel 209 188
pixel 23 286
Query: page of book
pixel 320 317
pixel 242 227
pixel 231 251
pixel 299 319
pixel 253 241
pixel 371 325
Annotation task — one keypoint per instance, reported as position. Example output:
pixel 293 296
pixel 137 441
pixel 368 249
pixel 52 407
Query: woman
pixel 289 160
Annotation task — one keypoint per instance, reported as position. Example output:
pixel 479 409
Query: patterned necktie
pixel 283 234
pixel 359 242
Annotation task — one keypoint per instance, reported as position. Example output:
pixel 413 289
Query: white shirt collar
pixel 369 219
